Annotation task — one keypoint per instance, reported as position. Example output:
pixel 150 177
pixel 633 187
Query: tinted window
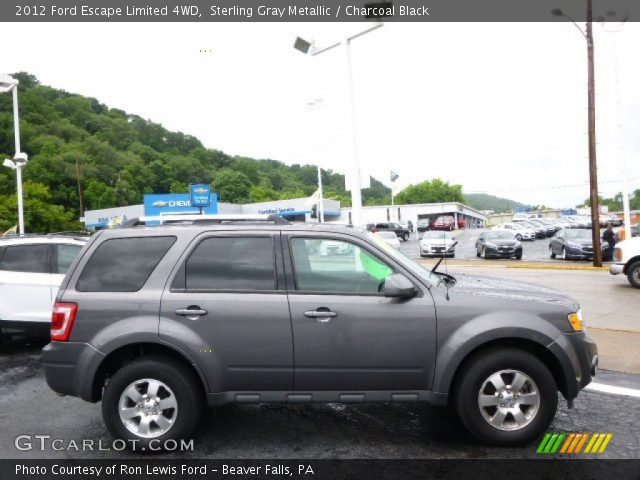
pixel 231 263
pixel 26 258
pixel 324 265
pixel 65 256
pixel 123 264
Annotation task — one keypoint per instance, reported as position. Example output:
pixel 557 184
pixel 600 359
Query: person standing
pixel 610 237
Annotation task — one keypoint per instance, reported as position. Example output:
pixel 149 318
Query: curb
pixel 524 265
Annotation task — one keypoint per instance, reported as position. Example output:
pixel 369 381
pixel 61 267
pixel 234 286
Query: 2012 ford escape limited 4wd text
pixel 157 321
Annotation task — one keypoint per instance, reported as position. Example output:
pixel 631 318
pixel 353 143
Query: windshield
pixel 387 235
pixel 498 234
pixel 437 235
pixel 407 262
pixel 578 233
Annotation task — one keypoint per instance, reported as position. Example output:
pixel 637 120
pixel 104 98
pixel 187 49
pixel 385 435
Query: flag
pixel 12 231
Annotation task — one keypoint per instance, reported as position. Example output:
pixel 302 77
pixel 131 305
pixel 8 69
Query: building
pixel 154 205
pixel 403 213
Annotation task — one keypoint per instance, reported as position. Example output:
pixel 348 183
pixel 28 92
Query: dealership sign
pixel 200 195
pixel 164 204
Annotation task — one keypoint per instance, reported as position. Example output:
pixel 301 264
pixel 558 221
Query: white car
pixel 390 237
pixel 521 232
pixel 31 270
pixel 626 260
pixel 437 243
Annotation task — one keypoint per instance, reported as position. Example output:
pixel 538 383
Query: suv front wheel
pixel 506 396
pixel 151 400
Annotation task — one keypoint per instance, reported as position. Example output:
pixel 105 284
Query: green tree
pixel 40 215
pixel 430 191
pixel 231 186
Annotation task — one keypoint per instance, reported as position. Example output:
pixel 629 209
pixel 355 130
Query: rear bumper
pixel 69 368
pixel 578 358
pixel 22 329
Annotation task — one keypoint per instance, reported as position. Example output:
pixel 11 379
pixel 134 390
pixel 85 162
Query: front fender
pixel 484 330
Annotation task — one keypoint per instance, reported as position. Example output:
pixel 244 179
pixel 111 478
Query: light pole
pixel 593 168
pixel 611 28
pixel 356 186
pixel 19 160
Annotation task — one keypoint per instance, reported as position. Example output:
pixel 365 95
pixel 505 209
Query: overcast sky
pixel 499 108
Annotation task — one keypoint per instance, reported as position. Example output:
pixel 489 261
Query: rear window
pixel 123 264
pixel 25 258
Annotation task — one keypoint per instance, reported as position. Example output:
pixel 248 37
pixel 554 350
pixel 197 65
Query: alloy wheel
pixel 148 408
pixel 509 400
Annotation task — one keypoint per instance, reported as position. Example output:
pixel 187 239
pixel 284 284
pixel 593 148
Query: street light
pixel 593 168
pixel 308 48
pixel 7 84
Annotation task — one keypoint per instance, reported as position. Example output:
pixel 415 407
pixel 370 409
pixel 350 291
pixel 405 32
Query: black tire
pixel 405 237
pixel 518 257
pixel 551 254
pixel 633 274
pixel 519 237
pixel 179 378
pixel 477 252
pixel 484 364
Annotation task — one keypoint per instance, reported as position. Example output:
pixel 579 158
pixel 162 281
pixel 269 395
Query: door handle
pixel 192 313
pixel 322 316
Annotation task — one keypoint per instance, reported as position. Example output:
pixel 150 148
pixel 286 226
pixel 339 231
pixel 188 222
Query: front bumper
pixel 616 269
pixel 69 368
pixel 438 250
pixel 578 358
pixel 504 253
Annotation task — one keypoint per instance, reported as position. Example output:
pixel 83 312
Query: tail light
pixel 62 319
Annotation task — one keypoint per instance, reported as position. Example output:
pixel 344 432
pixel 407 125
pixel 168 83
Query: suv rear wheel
pixel 633 274
pixel 506 396
pixel 150 399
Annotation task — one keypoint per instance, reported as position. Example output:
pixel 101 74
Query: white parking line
pixel 601 387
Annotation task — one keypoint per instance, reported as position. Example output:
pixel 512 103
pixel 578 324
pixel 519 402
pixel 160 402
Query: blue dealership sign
pixel 200 194
pixel 168 203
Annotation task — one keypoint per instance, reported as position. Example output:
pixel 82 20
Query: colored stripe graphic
pixel 573 443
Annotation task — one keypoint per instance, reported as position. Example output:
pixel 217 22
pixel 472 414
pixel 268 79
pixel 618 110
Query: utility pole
pixel 79 186
pixel 593 167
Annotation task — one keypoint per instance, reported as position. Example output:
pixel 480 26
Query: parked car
pixel 635 230
pixel 31 269
pixel 436 243
pixel 157 321
pixel 547 229
pixel 444 222
pixel 541 230
pixel 423 225
pixel 626 260
pixel 520 231
pixel 390 237
pixel 401 232
pixel 498 244
pixel 519 217
pixel 574 244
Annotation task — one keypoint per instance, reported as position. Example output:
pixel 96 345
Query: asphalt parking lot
pixel 27 406
pixel 532 250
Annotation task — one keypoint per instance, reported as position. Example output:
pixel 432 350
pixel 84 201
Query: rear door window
pixel 123 264
pixel 63 256
pixel 231 263
pixel 26 258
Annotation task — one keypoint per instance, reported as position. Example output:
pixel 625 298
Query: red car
pixel 444 222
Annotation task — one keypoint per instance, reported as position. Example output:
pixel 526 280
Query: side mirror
pixel 399 286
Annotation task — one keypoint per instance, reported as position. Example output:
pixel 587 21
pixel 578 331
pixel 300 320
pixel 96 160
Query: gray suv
pixel 159 321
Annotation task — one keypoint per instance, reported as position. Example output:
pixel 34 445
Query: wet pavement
pixel 27 406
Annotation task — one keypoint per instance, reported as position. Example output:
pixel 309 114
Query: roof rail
pixel 204 220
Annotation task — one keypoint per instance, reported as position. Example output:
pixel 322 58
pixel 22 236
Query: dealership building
pixel 296 209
